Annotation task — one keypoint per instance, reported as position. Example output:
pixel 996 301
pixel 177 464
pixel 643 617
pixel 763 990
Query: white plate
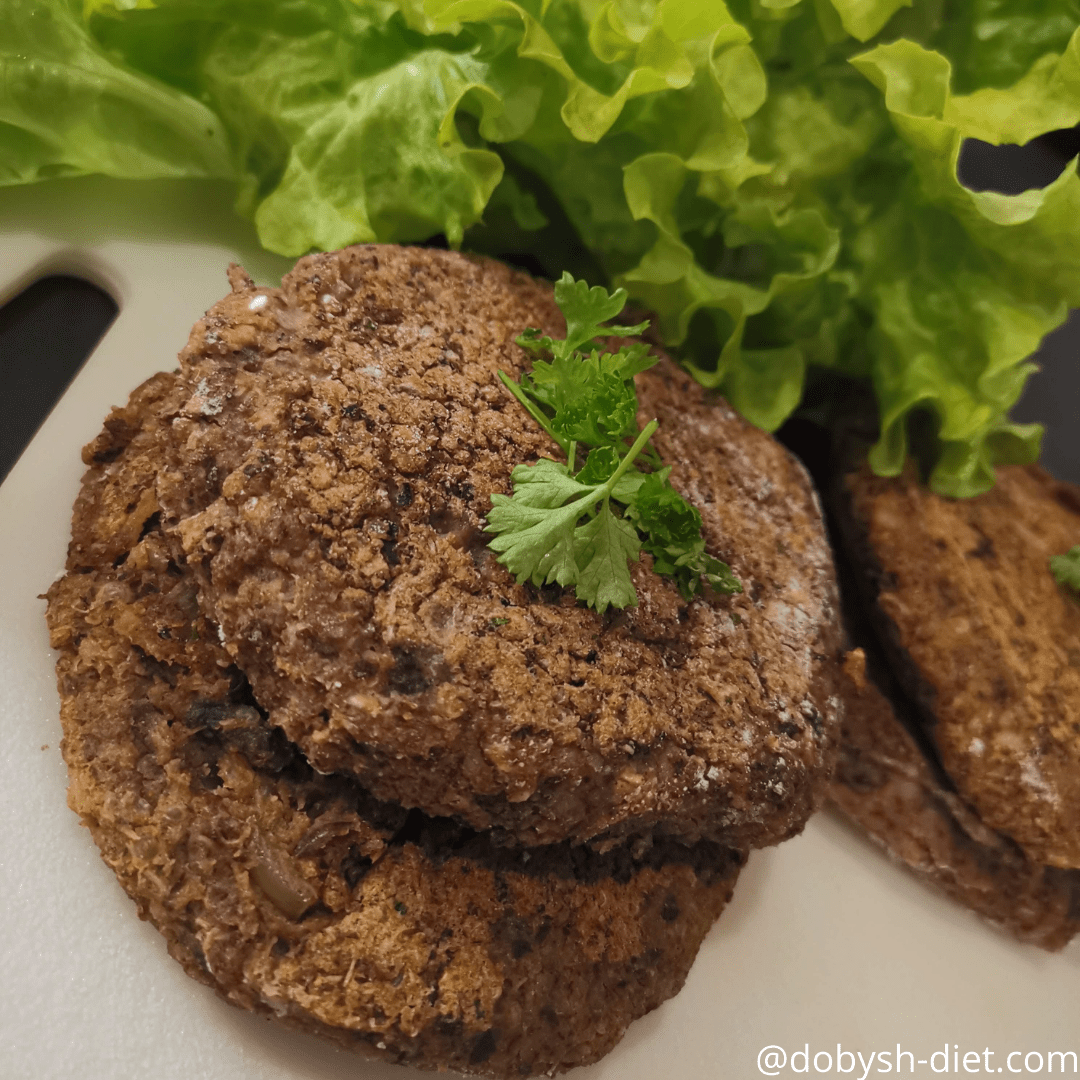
pixel 825 943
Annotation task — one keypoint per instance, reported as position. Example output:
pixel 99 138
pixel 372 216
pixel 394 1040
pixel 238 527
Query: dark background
pixel 48 330
pixel 1052 395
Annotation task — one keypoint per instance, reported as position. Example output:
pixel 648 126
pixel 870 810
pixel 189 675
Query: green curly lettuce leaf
pixel 67 108
pixel 993 43
pixel 342 184
pixel 775 179
pixel 964 284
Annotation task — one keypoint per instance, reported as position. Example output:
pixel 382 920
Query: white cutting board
pixel 826 942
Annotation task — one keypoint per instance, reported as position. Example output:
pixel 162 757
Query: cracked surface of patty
pixel 982 639
pixel 334 465
pixel 298 895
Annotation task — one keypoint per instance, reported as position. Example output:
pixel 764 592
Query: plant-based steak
pixel 300 896
pixel 982 639
pixel 333 468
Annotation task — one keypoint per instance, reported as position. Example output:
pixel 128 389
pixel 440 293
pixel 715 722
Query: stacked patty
pixel 343 442
pixel 360 779
pixel 961 741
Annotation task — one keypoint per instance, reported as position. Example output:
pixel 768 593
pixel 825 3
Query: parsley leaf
pixel 545 484
pixel 537 545
pixel 602 547
pixel 540 540
pixel 1066 570
pixel 588 399
pixel 584 309
pixel 602 414
pixel 600 465
pixel 663 514
pixel 584 529
pixel 672 531
pixel 537 542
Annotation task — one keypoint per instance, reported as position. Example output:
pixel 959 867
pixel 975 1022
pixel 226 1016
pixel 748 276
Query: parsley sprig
pixel 585 399
pixel 1066 570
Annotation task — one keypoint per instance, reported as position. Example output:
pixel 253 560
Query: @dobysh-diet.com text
pixel 951 1058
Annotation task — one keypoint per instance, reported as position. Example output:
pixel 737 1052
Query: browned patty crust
pixel 298 895
pixel 886 784
pixel 336 461
pixel 983 639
